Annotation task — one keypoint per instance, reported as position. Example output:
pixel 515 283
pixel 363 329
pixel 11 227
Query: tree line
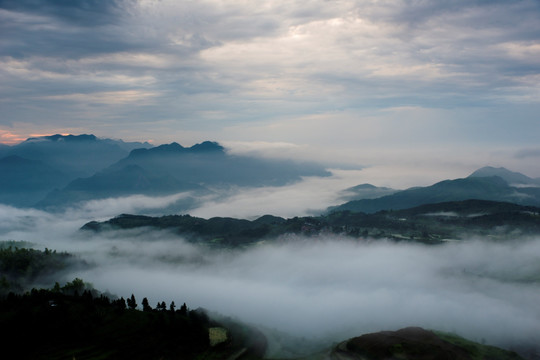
pixel 77 321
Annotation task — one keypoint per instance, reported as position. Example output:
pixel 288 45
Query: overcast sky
pixel 442 86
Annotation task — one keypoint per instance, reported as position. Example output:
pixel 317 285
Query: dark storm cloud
pixel 79 12
pixel 66 29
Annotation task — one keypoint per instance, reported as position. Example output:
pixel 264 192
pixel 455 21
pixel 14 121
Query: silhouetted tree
pixel 145 305
pixel 172 307
pixel 183 309
pixel 131 302
pixel 120 303
pixel 161 306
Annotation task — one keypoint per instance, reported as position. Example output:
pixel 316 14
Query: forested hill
pixel 417 343
pixel 431 223
pixel 76 322
pixel 22 266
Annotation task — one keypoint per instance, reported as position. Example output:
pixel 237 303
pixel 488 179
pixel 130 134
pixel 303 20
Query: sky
pixel 414 91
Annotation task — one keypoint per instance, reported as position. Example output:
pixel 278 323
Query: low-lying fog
pixel 325 287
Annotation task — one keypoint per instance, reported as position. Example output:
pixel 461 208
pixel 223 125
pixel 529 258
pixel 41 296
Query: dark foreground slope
pixel 418 344
pixel 66 324
pixel 54 324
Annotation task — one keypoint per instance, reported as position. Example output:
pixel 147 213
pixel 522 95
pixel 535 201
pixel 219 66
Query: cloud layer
pixel 324 289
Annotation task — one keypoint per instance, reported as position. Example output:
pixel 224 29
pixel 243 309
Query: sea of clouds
pixel 322 287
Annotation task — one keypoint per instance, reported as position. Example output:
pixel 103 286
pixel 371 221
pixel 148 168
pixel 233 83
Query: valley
pixel 454 257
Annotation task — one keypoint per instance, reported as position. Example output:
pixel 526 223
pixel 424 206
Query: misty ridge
pixel 54 172
pixel 294 249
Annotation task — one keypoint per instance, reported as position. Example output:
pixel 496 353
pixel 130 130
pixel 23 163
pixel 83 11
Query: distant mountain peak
pixel 491 170
pixel 67 138
pixel 175 148
pixel 510 177
pixel 208 146
pixel 364 186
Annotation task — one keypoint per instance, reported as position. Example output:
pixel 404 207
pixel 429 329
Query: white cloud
pixel 335 288
pixel 311 195
pixel 106 208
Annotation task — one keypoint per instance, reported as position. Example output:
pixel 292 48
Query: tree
pixel 161 306
pixel 145 305
pixel 120 303
pixel 75 287
pixel 131 302
pixel 172 307
pixel 183 309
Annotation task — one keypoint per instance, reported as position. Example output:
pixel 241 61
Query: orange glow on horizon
pixel 9 138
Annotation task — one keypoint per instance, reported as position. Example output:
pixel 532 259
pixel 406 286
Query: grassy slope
pixel 477 351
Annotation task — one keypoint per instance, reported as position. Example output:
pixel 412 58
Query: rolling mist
pixel 322 288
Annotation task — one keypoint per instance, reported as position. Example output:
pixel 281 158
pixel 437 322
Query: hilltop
pixel 432 223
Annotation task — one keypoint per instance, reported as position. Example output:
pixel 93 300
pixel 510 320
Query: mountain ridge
pixel 203 166
pixel 74 156
pixel 492 188
pixel 176 148
pixel 511 177
pixel 429 223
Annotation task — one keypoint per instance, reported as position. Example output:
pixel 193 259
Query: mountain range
pixel 488 183
pixel 74 155
pixel 35 167
pixel 57 171
pixel 209 164
pixel 511 177
pixel 52 172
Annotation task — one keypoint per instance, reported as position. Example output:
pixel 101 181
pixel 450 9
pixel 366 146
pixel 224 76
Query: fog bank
pixel 341 288
pixel 318 287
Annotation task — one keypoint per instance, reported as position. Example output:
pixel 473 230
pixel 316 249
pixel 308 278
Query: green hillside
pixel 415 343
